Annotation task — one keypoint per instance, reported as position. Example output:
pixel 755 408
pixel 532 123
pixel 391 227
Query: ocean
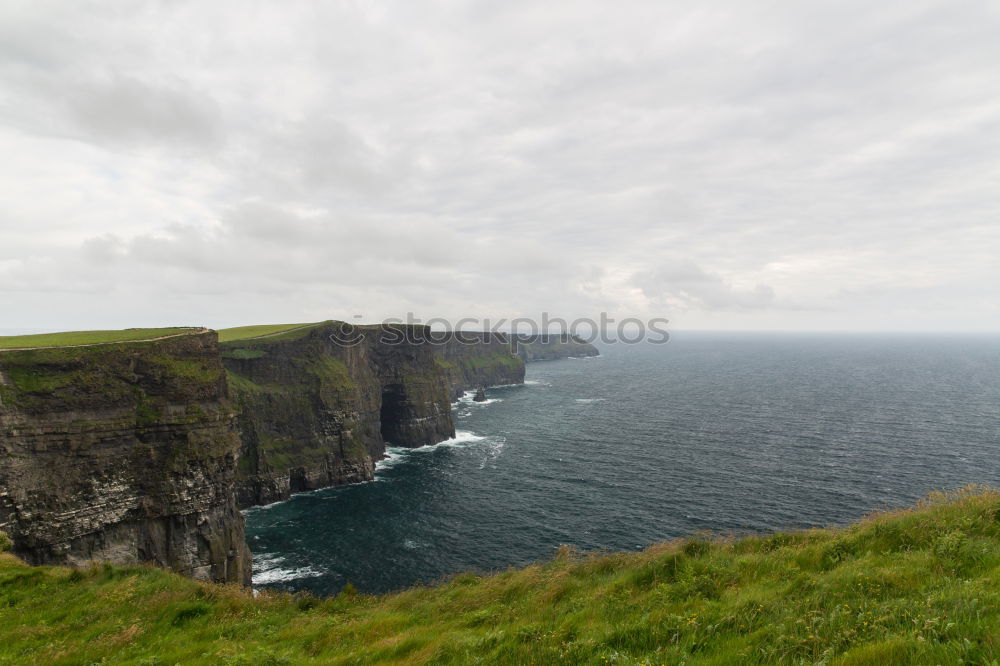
pixel 729 433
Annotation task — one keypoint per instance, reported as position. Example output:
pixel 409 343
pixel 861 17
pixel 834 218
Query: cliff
pixel 122 452
pixel 471 360
pixel 549 347
pixel 129 450
pixel 317 413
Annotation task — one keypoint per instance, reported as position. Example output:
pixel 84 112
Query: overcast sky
pixel 728 165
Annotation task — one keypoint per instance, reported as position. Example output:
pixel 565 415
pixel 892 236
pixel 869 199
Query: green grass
pixel 248 332
pixel 920 586
pixel 494 360
pixel 331 372
pixel 134 334
pixel 240 384
pixel 244 354
pixel 88 337
pixel 183 368
pixel 444 363
pixel 47 379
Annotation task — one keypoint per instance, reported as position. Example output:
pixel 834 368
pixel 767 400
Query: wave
pixel 398 454
pixel 467 400
pixel 393 456
pixel 466 436
pixel 262 507
pixel 411 544
pixel 265 561
pixel 589 400
pixel 278 575
pixel 461 438
pixel 267 569
pixel 492 452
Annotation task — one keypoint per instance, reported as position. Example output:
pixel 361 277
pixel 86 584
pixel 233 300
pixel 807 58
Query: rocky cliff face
pixel 318 413
pixel 471 360
pixel 144 451
pixel 549 347
pixel 124 453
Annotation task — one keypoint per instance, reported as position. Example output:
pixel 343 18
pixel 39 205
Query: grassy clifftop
pixel 108 369
pixel 75 338
pixel 915 586
pixel 263 331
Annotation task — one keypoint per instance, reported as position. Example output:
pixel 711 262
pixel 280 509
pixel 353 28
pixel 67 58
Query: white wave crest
pixel 465 437
pixel 493 450
pixel 267 569
pixel 461 438
pixel 265 561
pixel 467 400
pixel 393 456
pixel 279 575
pixel 264 507
pixel 483 403
pixel 398 454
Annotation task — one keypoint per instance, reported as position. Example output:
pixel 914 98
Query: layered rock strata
pixel 319 405
pixel 124 453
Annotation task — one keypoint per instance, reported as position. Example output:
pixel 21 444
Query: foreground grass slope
pixel 88 337
pixel 919 586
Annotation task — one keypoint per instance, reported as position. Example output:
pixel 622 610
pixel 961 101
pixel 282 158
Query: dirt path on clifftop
pixel 193 331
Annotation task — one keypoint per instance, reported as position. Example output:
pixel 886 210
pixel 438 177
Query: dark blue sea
pixel 723 432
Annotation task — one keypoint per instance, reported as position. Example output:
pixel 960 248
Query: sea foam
pixel 267 569
pixel 467 400
pixel 279 575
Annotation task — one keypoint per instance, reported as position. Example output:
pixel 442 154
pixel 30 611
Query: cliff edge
pixel 141 446
pixel 472 360
pixel 319 404
pixel 123 452
pixel 552 346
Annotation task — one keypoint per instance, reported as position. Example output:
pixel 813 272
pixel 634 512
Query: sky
pixel 736 165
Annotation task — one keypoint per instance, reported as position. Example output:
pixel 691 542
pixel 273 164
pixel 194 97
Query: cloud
pixel 126 109
pixel 740 165
pixel 685 285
